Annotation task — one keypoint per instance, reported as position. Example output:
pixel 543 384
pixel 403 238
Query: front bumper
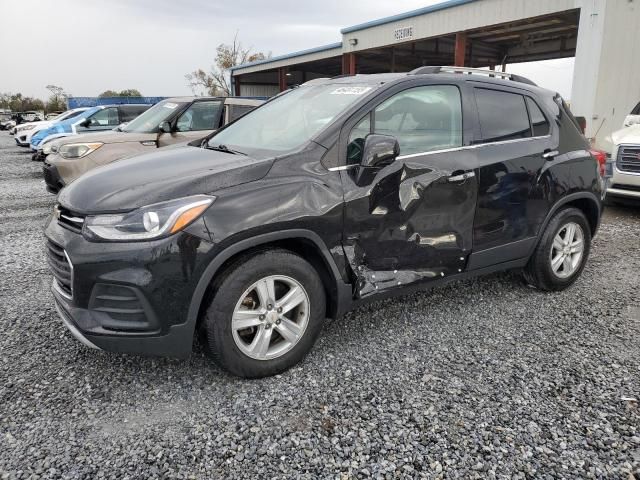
pixel 52 178
pixel 128 297
pixel 21 139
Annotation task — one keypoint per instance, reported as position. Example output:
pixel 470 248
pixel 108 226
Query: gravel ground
pixel 480 379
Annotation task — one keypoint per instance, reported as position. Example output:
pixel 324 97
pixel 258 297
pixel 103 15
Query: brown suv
pixel 175 120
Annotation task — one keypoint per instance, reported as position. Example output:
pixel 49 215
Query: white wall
pixel 606 81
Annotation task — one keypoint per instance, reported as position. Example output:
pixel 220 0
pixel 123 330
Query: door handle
pixel 550 154
pixel 462 177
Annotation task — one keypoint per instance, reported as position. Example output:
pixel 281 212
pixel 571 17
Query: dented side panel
pixel 412 223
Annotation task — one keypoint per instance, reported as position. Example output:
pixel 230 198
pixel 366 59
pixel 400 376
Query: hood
pixel 109 136
pixel 161 175
pixel 626 135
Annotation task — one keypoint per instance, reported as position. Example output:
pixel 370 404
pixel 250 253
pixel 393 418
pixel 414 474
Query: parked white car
pixel 625 159
pixel 633 118
pixel 25 131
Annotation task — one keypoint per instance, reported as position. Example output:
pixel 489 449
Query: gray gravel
pixel 480 379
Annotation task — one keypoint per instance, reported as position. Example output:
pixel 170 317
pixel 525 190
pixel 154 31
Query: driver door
pixel 413 221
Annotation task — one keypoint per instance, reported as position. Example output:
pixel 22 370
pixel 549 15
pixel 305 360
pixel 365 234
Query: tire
pixel 540 271
pixel 230 347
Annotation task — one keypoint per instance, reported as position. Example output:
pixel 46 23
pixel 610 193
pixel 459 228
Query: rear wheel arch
pixel 586 202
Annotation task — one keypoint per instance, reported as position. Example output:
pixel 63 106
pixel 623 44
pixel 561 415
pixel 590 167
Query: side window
pixel 199 116
pixel 636 111
pixel 503 115
pixel 423 119
pixel 539 122
pixel 129 113
pixel 237 111
pixel 107 117
pixel 356 140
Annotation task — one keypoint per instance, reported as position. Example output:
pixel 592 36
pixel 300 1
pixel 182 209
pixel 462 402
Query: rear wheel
pixel 562 252
pixel 266 313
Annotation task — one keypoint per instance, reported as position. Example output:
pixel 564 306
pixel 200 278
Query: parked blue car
pixel 96 119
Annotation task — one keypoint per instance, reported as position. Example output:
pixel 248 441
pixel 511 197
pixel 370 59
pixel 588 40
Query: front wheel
pixel 562 252
pixel 266 314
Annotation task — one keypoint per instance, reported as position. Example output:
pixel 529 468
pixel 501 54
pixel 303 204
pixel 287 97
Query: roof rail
pixel 475 71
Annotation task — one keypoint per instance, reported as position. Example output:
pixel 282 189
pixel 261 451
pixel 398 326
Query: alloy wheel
pixel 567 250
pixel 271 317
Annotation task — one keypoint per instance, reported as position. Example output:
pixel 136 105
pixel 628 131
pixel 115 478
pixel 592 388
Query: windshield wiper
pixel 224 148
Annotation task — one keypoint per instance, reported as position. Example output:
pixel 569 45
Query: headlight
pixel 25 127
pixel 148 223
pixel 47 148
pixel 78 150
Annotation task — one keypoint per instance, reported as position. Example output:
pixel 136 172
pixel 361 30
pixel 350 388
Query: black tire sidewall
pixel 555 226
pixel 219 334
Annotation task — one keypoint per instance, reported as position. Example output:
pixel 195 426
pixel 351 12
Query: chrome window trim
pixel 448 150
pixel 470 147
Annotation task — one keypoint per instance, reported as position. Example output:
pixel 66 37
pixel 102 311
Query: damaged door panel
pixel 414 220
pixel 412 223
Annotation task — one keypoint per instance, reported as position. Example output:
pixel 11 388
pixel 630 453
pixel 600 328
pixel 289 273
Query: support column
pixel 461 49
pixel 348 63
pixel 236 86
pixel 282 79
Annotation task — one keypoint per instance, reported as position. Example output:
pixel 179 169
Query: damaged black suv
pixel 337 192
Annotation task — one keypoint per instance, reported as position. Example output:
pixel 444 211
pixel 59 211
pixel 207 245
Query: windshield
pixel 148 121
pixel 290 121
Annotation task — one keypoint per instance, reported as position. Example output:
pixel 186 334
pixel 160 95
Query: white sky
pixel 88 46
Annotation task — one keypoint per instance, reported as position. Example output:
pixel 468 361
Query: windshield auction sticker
pixel 170 105
pixel 350 90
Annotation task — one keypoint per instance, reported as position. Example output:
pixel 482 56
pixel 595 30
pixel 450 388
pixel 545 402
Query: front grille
pixel 51 178
pixel 61 267
pixel 629 159
pixel 69 220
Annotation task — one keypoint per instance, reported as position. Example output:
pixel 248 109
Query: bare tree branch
pixel 217 82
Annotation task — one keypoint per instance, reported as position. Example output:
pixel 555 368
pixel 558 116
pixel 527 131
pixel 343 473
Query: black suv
pixel 338 192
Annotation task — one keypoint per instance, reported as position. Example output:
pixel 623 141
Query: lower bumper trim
pixel 74 330
pixel 623 193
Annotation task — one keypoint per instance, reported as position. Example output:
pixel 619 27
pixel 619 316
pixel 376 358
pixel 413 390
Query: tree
pixel 58 99
pixel 108 93
pixel 131 92
pixel 218 80
pixel 17 103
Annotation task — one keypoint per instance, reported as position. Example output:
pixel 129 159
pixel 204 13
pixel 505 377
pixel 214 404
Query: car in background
pixel 171 121
pixel 634 117
pixel 25 131
pixel 52 115
pixel 95 119
pixel 625 159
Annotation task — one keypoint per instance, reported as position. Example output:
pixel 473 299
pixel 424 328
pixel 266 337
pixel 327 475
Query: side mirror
pixel 85 123
pixel 164 127
pixel 379 150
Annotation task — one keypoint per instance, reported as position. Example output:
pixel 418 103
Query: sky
pixel 89 46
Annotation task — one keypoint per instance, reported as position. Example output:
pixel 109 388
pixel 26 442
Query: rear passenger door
pixel 515 136
pixel 413 222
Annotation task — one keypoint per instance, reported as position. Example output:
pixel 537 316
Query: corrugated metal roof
pixel 402 16
pixel 323 48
